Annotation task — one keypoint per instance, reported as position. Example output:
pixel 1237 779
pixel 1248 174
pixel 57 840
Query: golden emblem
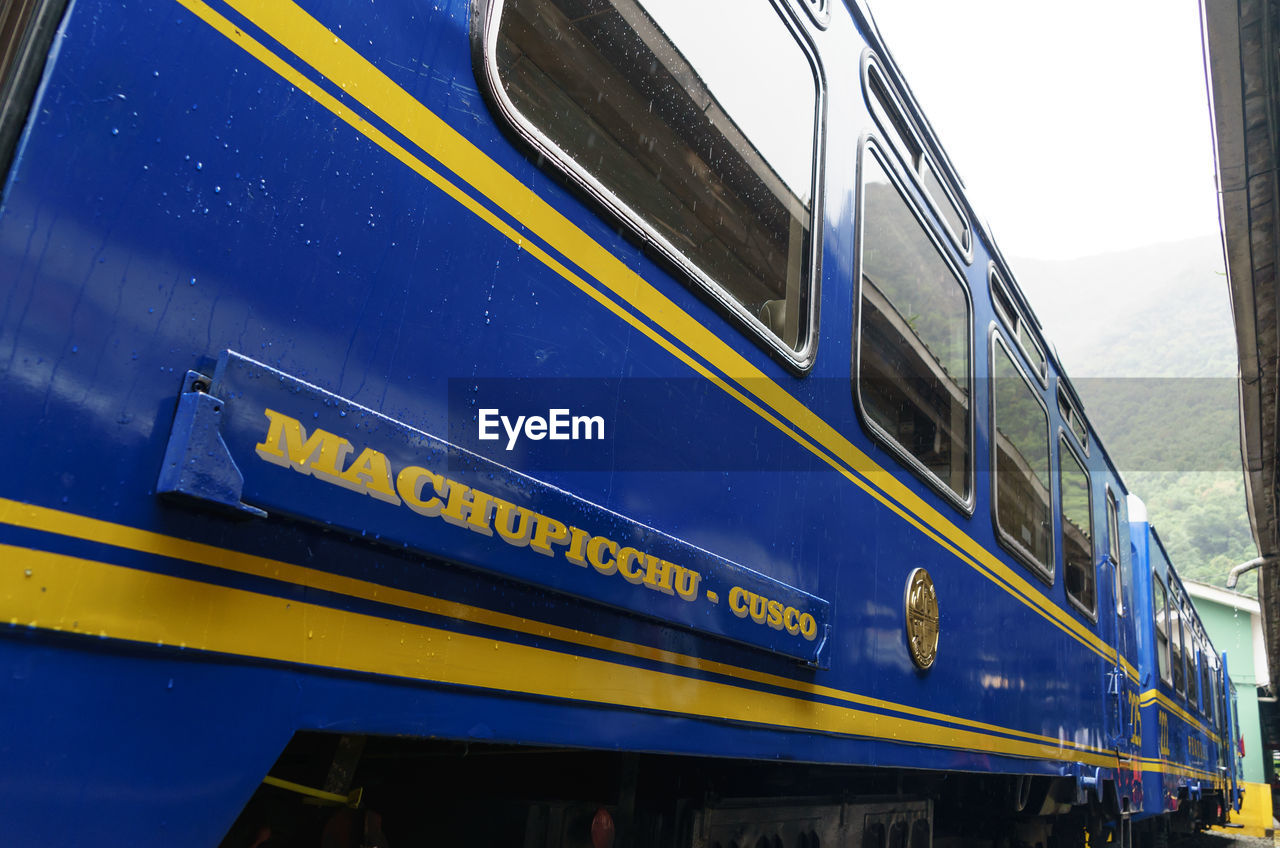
pixel 922 618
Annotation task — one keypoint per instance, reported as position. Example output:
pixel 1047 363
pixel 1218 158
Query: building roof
pixel 1241 39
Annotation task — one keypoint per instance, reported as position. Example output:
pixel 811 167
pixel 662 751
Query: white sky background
pixel 1078 129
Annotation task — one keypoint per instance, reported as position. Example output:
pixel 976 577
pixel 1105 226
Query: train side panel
pixel 264 268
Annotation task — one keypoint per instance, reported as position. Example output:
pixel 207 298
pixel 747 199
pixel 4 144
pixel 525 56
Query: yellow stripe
pixel 63 593
pixel 1152 696
pixel 1163 766
pixel 323 51
pixel 143 541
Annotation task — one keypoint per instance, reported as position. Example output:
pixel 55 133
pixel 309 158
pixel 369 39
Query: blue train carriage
pixel 1187 696
pixel 528 422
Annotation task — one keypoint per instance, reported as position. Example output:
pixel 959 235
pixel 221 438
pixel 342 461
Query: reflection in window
pixel 712 149
pixel 1118 569
pixel 1206 683
pixel 1022 463
pixel 1077 529
pixel 913 357
pixel 1175 645
pixel 1189 640
pixel 1161 603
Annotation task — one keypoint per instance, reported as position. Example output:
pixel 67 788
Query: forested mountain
pixel 1146 336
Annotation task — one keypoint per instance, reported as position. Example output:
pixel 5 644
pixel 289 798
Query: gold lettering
pixel 577 553
pixel 502 520
pixel 546 531
pixel 410 483
pixel 371 475
pixel 593 554
pixel 288 445
pixel 658 574
pixel 687 583
pixel 468 508
pixel 626 557
pixel 738 601
pixel 775 615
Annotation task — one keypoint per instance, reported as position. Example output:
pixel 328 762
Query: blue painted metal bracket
pixel 197 464
pixel 323 459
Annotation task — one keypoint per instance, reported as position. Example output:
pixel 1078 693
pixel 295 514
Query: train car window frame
pixel 1193 671
pixel 1206 683
pixel 1072 417
pixel 1115 551
pixel 1045 570
pixel 1159 620
pixel 818 11
pixel 1177 646
pixel 1091 569
pixel 885 106
pixel 965 502
pixel 551 158
pixel 1017 325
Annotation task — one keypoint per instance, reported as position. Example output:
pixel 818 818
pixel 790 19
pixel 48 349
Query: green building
pixel 1234 624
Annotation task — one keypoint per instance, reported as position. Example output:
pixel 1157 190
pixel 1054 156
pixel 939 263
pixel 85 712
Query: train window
pixel 1119 570
pixel 1193 670
pixel 1206 683
pixel 1176 654
pixel 27 29
pixel 1072 418
pixel 889 116
pixel 1160 601
pixel 1021 457
pixel 711 154
pixel 914 357
pixel 1077 530
pixel 900 133
pixel 1017 324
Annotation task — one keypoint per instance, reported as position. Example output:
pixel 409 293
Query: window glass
pixel 1119 574
pixel 1206 682
pixel 1032 349
pixel 1175 645
pixel 913 354
pixel 889 117
pixel 1161 612
pixel 1021 426
pixel 711 150
pixel 1074 421
pixel 1193 672
pixel 1018 328
pixel 947 209
pixel 1077 530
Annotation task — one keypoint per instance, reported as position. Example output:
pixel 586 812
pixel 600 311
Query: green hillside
pixel 1146 336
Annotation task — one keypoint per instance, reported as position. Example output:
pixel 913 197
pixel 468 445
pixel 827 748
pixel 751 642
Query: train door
pixel 1123 714
pixel 1229 735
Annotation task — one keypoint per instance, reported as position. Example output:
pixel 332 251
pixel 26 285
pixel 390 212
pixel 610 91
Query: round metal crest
pixel 922 618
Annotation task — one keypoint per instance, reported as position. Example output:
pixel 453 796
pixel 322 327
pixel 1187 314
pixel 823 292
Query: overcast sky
pixel 1078 128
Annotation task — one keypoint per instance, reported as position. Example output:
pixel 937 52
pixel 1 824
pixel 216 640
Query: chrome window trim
pixel 1047 572
pixel 1155 631
pixel 819 11
pixel 962 242
pixel 1067 391
pixel 871 145
pixel 1110 500
pixel 1014 323
pixel 800 361
pixel 1091 614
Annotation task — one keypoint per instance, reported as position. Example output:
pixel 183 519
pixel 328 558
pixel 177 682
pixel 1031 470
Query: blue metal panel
pixel 195 180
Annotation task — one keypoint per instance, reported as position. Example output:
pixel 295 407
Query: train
pixel 549 423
